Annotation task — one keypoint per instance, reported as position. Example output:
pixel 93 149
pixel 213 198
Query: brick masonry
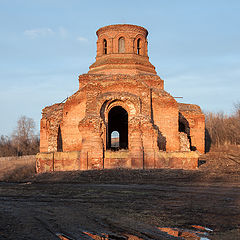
pixel 120 92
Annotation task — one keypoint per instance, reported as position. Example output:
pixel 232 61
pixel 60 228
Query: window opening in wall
pixel 59 140
pixel 138 46
pixel 104 46
pixel 115 139
pixel 117 124
pixel 121 45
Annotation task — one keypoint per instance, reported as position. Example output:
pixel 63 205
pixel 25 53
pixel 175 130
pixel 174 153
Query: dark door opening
pixel 117 121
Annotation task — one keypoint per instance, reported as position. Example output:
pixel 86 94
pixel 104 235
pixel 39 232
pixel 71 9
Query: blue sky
pixel 46 44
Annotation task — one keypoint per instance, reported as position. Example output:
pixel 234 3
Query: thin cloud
pixel 39 32
pixel 82 39
pixel 63 32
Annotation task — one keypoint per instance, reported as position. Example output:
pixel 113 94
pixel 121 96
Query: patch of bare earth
pixel 126 204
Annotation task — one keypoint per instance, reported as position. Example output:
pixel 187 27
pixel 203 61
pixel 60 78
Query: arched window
pixel 121 45
pixel 104 46
pixel 138 46
pixel 115 140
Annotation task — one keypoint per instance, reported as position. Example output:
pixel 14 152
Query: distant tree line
pixel 23 140
pixel 222 129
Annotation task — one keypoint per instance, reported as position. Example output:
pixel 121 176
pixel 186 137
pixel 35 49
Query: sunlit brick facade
pixel 121 93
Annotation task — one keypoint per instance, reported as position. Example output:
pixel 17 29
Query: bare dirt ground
pixel 125 204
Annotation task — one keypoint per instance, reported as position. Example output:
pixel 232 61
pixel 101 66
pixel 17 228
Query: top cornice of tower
pixel 122 27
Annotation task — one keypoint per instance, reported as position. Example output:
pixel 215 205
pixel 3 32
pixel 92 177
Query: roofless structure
pixel 121 116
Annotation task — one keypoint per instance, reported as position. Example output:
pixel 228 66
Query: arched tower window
pixel 121 45
pixel 104 46
pixel 138 46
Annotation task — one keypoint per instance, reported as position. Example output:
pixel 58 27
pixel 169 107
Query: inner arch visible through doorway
pixel 118 121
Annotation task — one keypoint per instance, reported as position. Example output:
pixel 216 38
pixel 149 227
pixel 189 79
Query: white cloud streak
pixel 82 39
pixel 39 32
pixel 48 32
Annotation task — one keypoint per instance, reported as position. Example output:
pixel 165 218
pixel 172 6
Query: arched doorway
pixel 118 122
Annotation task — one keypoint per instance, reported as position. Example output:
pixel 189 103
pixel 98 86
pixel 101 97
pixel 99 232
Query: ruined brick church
pixel 121 116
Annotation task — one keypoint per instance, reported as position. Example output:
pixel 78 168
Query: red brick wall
pixel 165 116
pixel 73 113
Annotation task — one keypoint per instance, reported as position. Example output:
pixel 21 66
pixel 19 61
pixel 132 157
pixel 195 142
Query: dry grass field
pixel 16 168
